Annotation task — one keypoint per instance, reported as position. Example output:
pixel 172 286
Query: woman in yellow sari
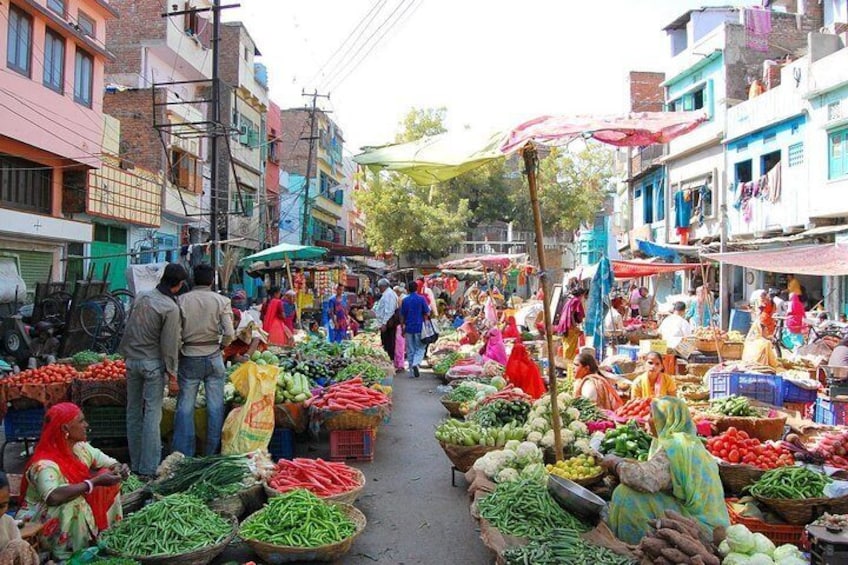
pixel 680 475
pixel 653 382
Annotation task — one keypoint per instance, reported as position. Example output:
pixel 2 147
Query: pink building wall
pixel 35 115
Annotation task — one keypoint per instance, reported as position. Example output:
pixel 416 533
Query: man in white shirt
pixel 613 322
pixel 384 311
pixel 675 327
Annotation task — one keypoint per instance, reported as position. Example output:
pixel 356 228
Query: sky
pixel 491 63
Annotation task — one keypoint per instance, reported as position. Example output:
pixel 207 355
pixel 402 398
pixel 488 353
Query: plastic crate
pixel 106 422
pixel 831 412
pixel 795 393
pixel 20 424
pixel 356 445
pixel 282 444
pixel 764 388
pixel 632 351
pixel 779 534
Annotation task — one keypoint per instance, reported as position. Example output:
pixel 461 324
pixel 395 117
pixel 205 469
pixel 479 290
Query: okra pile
pixel 175 525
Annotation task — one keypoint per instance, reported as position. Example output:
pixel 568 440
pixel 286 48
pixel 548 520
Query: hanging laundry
pixel 774 181
pixel 683 210
pixel 757 28
pixel 705 203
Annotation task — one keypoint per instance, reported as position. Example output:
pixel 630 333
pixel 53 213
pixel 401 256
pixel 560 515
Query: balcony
pixel 322 232
pixel 643 159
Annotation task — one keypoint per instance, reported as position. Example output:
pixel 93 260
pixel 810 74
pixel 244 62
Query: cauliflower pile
pixel 741 547
pixel 539 424
pixel 517 460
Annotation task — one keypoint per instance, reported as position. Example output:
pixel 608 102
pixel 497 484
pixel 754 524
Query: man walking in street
pixel 207 327
pixel 151 347
pixel 413 312
pixel 385 311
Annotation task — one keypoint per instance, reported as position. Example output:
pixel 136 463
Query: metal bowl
pixel 576 499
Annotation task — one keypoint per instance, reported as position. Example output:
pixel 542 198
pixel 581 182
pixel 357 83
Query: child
pixel 314 330
pixel 13 549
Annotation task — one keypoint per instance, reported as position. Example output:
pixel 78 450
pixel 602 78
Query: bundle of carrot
pixel 349 395
pixel 636 408
pixel 509 392
pixel 320 477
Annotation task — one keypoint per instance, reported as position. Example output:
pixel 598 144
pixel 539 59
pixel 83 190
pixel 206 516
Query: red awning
pixel 816 260
pixel 638 269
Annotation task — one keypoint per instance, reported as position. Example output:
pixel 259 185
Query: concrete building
pixel 160 124
pixel 327 195
pixel 273 153
pixel 53 57
pixel 242 160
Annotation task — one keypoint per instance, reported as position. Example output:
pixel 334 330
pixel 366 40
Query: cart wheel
pixel 101 314
pixel 125 297
pixel 13 342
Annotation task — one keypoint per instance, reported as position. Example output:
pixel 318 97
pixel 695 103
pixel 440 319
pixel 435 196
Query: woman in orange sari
pixel 767 323
pixel 590 384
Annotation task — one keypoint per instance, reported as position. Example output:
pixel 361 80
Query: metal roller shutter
pixel 35 267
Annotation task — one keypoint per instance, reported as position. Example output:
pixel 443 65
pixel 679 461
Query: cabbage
pixel 498 382
pixel 763 545
pixel 760 559
pixel 735 559
pixel 740 539
pixel 723 548
pixel 793 561
pixel 786 551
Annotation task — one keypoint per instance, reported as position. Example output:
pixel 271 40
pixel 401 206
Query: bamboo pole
pixel 531 160
pixel 291 286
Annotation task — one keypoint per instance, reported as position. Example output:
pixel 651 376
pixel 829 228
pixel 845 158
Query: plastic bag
pixel 250 427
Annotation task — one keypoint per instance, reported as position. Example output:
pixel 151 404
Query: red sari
pixel 273 324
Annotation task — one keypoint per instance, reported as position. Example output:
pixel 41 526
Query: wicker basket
pixel 353 420
pixel 736 477
pixel 696 396
pixel 199 557
pixel 134 500
pixel 239 503
pixel 779 534
pixel 453 408
pixel 732 350
pixel 764 429
pixel 707 345
pixel 99 393
pixel 699 369
pixel 284 554
pixel 463 457
pixel 348 497
pixel 798 512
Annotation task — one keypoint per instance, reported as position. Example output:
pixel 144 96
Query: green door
pixel 110 248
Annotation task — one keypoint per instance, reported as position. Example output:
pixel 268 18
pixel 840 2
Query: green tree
pixel 572 188
pixel 421 122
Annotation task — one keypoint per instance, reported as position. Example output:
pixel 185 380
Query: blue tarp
pixel 657 250
pixel 599 293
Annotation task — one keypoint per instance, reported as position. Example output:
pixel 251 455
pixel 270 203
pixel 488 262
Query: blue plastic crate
pixel 282 444
pixel 764 388
pixel 830 412
pixel 631 351
pixel 795 393
pixel 23 423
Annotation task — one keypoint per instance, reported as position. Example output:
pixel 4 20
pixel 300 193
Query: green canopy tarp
pixel 285 251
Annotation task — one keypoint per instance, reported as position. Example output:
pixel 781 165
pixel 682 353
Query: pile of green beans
pixel 114 561
pixel 562 546
pixel 207 478
pixel 175 525
pixel 298 518
pixel 791 483
pixel 524 508
pixel 131 484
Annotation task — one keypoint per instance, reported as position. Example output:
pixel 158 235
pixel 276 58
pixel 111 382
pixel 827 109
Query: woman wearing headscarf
pixel 289 310
pixel 272 318
pixel 795 324
pixel 494 349
pixel 654 382
pixel 590 384
pixel 510 330
pixel 70 486
pixel 679 475
pixel 699 309
pixel 400 340
pixel 522 372
pixel 572 316
pixel 766 309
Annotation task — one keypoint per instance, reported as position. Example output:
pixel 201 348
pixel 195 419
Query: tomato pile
pixel 636 408
pixel 47 375
pixel 736 446
pixel 106 371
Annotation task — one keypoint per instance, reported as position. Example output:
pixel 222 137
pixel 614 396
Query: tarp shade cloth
pixel 814 260
pixel 442 157
pixel 629 269
pixel 285 251
pixel 488 261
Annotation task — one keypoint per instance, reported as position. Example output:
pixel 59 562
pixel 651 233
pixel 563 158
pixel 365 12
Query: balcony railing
pixel 645 157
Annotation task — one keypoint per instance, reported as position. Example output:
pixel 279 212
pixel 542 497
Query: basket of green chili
pixel 299 526
pixel 176 529
pixel 796 494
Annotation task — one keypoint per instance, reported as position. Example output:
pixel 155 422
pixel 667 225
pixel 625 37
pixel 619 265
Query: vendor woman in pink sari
pixel 795 324
pixel 494 349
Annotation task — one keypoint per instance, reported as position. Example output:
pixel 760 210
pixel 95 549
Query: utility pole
pixel 217 129
pixel 304 231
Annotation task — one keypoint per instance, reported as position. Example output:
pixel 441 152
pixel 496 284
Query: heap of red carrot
pixel 349 395
pixel 321 477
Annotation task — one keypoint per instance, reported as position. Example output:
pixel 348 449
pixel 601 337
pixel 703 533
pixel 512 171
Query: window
pixel 327 186
pixel 274 151
pixel 54 61
pixel 769 161
pixel 246 53
pixel 648 204
pixel 744 171
pixel 659 208
pixel 186 171
pixel 19 41
pixel 83 77
pixel 796 154
pixel 742 147
pixel 57 6
pixel 87 24
pixel 837 155
pixel 191 22
pixel 25 185
pixel 246 200
pixel 697 99
pixel 770 138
